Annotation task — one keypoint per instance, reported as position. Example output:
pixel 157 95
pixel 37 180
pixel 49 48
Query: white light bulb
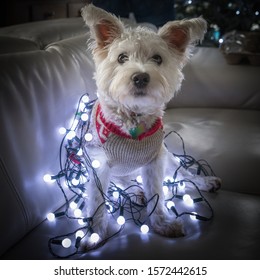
pixel 186 197
pixel 165 190
pixel 62 130
pixel 77 213
pixel 168 178
pixel 139 179
pixel 170 204
pixel 73 205
pixel 109 208
pixel 188 200
pixel 181 185
pixel 75 181
pixel 84 195
pixel 94 237
pixel 116 194
pixel 48 178
pixel 50 217
pixel 81 222
pixel 80 152
pixel 79 233
pixel 144 229
pixel 83 179
pixel 85 99
pixel 95 163
pixel 84 117
pixel 71 135
pixel 88 137
pixel 66 242
pixel 193 217
pixel 177 159
pixel 120 220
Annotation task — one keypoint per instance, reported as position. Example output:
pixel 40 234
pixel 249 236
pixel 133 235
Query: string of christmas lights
pixel 123 203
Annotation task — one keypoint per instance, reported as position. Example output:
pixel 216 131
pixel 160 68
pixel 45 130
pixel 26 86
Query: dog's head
pixel 137 68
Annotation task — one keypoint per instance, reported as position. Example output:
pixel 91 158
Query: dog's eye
pixel 122 58
pixel 157 59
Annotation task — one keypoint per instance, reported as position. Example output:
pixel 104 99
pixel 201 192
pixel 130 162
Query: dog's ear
pixel 104 27
pixel 180 34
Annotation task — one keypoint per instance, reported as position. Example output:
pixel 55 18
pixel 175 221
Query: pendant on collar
pixel 135 132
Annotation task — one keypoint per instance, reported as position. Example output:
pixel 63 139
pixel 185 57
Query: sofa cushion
pixel 232 234
pixel 228 139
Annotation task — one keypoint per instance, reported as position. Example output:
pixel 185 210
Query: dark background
pixel 222 15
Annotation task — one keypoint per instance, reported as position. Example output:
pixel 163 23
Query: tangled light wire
pixel 124 203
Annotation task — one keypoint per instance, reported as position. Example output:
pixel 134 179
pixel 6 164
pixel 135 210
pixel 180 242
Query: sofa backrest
pixel 211 82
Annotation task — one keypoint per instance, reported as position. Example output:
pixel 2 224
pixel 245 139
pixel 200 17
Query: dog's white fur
pixel 119 53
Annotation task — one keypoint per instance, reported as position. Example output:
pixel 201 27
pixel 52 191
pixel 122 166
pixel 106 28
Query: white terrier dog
pixel 137 73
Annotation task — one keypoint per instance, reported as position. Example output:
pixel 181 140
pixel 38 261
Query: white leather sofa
pixel 45 68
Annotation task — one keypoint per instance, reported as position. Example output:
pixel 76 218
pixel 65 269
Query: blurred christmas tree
pixel 222 16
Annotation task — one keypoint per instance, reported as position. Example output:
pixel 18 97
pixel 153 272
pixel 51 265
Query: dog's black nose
pixel 141 80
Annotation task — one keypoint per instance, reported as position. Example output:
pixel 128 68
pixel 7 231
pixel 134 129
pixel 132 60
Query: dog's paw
pixel 137 196
pixel 95 238
pixel 212 184
pixel 100 233
pixel 207 183
pixel 168 227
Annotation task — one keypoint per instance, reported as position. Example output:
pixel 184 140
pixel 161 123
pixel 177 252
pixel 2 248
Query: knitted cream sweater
pixel 124 153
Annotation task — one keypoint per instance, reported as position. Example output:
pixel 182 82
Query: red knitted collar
pixel 105 128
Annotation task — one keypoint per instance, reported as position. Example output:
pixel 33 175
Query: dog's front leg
pixel 97 191
pixel 161 220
